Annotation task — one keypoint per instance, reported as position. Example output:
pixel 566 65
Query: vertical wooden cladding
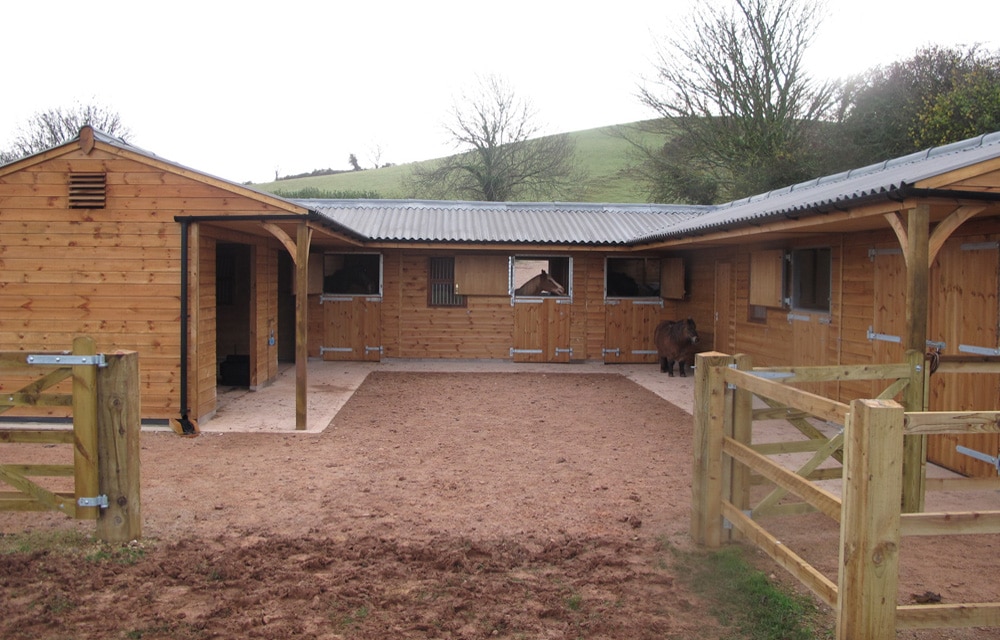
pixel 964 311
pixel 766 278
pixel 477 275
pixel 672 278
pixel 352 328
pixel 542 330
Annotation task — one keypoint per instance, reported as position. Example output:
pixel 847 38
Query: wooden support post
pixel 304 236
pixel 119 425
pixel 85 453
pixel 869 523
pixel 917 292
pixel 706 480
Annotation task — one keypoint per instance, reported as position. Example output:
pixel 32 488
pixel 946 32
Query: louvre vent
pixel 87 190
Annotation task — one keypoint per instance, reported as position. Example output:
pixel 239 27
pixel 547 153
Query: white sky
pixel 245 89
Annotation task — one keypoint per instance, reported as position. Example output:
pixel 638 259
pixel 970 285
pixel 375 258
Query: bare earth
pixel 435 505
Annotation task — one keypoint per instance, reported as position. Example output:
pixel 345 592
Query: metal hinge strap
pixel 979 351
pixel 535 351
pixel 66 359
pixel 98 501
pixel 884 337
pixel 979 455
pixel 323 350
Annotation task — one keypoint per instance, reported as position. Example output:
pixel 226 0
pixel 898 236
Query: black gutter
pixel 949 194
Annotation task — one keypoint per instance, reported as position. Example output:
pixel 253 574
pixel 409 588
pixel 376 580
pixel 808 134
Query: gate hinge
pixel 979 351
pixel 979 455
pixel 67 359
pixel 727 523
pixel 100 501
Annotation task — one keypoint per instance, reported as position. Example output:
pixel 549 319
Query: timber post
pixel 740 429
pixel 915 446
pixel 870 521
pixel 709 418
pixel 917 253
pixel 303 238
pixel 119 423
pixel 85 436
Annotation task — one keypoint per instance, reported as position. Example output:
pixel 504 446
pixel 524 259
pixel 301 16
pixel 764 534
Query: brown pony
pixel 542 283
pixel 676 341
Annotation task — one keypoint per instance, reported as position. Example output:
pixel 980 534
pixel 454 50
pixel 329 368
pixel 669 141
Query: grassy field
pixel 602 156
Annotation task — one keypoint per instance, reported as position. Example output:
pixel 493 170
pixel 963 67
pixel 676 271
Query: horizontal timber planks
pixel 52 274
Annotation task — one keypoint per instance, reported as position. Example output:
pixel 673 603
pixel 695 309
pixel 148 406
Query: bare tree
pixel 731 84
pixel 499 154
pixel 51 128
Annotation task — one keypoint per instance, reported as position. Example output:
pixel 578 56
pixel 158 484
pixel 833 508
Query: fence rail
pixel 869 511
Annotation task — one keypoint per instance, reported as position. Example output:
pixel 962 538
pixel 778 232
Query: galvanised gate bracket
pixel 98 501
pixel 66 359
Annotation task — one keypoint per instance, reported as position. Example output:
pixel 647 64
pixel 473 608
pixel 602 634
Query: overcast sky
pixel 243 90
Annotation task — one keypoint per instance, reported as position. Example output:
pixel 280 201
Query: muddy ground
pixel 434 506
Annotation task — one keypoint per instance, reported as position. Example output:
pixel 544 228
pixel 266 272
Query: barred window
pixel 441 284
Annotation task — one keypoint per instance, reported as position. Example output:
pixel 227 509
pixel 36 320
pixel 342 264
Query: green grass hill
pixel 602 156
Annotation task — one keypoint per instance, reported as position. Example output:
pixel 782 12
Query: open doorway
pixel 233 296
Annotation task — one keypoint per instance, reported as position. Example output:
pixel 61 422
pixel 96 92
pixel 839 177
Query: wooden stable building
pixel 216 283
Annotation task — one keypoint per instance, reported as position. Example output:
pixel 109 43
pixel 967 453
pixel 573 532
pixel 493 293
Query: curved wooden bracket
pixel 283 238
pixel 896 222
pixel 948 226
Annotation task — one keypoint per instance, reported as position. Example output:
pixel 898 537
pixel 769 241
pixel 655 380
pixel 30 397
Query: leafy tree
pixel 732 85
pixel 51 128
pixel 353 160
pixel 939 95
pixel 500 158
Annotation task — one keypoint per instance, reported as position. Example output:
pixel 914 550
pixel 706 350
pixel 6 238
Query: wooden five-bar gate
pixel 874 475
pixel 102 392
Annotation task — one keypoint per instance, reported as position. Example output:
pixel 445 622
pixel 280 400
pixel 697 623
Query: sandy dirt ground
pixel 435 505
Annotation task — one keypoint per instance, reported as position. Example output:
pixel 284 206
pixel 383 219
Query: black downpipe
pixel 186 425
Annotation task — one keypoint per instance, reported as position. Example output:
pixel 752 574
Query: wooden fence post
pixel 739 428
pixel 119 422
pixel 706 479
pixel 869 523
pixel 85 437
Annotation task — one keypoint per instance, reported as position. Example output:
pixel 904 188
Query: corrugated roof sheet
pixel 836 191
pixel 499 222
pixel 625 224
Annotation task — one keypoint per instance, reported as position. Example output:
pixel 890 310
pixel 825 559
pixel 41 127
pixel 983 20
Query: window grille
pixel 441 284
